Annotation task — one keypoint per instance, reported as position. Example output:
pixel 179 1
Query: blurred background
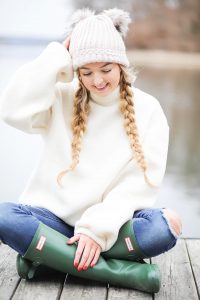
pixel 163 45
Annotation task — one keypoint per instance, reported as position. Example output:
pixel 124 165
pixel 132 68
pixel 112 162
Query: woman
pixel 105 152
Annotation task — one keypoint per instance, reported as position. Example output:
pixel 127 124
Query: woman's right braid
pixel 79 123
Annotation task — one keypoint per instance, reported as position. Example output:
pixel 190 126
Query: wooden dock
pixel 180 268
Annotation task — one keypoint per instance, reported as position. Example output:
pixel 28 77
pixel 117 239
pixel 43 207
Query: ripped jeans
pixel 19 222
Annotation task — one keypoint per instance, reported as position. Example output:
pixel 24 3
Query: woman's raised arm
pixel 26 101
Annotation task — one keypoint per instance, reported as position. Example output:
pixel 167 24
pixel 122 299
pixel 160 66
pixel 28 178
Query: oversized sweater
pixel 107 185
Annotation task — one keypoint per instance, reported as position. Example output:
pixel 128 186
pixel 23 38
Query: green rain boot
pixel 126 246
pixel 49 248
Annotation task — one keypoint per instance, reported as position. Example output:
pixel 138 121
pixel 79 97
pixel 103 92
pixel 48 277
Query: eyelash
pixel 91 73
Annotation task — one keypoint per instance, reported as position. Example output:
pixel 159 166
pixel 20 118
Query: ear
pixel 120 18
pixel 78 16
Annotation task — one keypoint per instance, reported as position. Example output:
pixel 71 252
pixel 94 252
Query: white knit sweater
pixel 107 186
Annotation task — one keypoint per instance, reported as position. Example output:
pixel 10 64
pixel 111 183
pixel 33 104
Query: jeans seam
pixel 43 215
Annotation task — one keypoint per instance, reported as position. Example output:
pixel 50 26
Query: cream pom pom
pixel 76 17
pixel 120 18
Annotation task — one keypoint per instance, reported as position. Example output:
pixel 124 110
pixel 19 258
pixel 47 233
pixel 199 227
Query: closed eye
pixel 106 71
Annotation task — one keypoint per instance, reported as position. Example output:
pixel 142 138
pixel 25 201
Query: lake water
pixel 178 93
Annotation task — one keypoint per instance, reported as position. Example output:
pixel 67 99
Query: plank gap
pixel 191 265
pixel 61 288
pixel 13 293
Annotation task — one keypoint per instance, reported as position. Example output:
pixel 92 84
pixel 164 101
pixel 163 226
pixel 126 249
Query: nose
pixel 98 80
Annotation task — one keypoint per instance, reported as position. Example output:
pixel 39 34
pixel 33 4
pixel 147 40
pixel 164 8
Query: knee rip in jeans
pixel 173 220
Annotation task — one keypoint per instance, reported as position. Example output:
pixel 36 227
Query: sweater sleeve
pixel 26 101
pixel 130 192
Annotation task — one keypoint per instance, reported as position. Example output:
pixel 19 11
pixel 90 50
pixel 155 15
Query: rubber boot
pixel 50 248
pixel 126 246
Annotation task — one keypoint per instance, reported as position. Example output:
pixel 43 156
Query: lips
pixel 102 88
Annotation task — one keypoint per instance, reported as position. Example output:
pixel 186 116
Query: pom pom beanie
pixel 98 38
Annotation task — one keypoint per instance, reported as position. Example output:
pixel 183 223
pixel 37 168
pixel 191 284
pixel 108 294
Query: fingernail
pixel 75 264
pixel 92 266
pixel 84 268
pixel 79 269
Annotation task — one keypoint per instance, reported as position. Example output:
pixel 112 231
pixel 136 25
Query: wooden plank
pixel 193 246
pixel 81 289
pixel 9 278
pixel 177 278
pixel 115 293
pixel 124 294
pixel 47 284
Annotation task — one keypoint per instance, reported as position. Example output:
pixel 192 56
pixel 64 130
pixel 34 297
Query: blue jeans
pixel 19 222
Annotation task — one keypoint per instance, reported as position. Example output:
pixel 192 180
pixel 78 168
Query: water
pixel 177 91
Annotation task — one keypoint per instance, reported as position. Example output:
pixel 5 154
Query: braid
pixel 81 111
pixel 128 110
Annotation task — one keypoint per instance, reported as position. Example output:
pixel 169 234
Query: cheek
pixel 115 78
pixel 86 81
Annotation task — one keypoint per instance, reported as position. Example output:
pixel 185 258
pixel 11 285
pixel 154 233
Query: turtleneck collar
pixel 110 99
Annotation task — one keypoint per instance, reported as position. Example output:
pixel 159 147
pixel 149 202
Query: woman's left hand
pixel 88 251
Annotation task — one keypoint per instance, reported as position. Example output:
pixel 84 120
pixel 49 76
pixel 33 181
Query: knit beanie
pixel 98 38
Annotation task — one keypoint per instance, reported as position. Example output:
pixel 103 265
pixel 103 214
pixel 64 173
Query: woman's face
pixel 100 78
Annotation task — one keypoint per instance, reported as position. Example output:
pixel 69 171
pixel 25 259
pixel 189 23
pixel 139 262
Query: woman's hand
pixel 88 251
pixel 66 42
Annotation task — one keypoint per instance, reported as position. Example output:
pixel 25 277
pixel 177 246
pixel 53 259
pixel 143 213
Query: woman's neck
pixel 107 100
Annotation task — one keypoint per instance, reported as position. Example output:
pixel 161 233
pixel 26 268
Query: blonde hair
pixel 81 110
